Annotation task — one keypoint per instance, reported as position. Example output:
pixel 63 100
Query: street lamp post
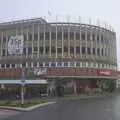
pixel 22 86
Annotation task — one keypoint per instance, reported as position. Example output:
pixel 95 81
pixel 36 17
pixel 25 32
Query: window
pixel 47 49
pixel 46 64
pixel 13 65
pixel 77 49
pixel 65 49
pixel 59 35
pixel 83 50
pixel 102 51
pixel 71 49
pixel 40 64
pixel 35 49
pixel 24 50
pixel 102 39
pixel 71 35
pixel 65 64
pixel 88 51
pixel 24 64
pixel 71 64
pixel 59 50
pixel 77 64
pixel 88 64
pixel 93 37
pixel 4 39
pixel 41 36
pixel 2 65
pixel 94 65
pixel 98 65
pixel 30 36
pixel 3 52
pixel 35 64
pixel 7 65
pixel 77 36
pixel 83 36
pixel 53 36
pixel 93 51
pixel 105 51
pixel 53 64
pixel 83 64
pixel 53 50
pixel 29 50
pixel 102 65
pixel 106 40
pixel 65 35
pixel 97 38
pixel 41 49
pixel 88 36
pixel 59 64
pixel 98 51
pixel 35 36
pixel 47 36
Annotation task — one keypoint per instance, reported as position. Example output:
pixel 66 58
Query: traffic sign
pixel 23 78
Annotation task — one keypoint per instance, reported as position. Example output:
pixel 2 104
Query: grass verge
pixel 17 103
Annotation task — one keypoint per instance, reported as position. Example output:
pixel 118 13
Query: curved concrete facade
pixel 88 45
pixel 79 53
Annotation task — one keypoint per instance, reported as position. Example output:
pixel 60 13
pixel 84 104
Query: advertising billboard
pixel 15 45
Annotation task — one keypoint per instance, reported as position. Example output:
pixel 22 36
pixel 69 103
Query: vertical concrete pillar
pixel 31 64
pixel 27 42
pixel 10 65
pixel 80 41
pixel 32 39
pixel 86 42
pixel 6 46
pixel 75 44
pixel 2 43
pixel 62 41
pixel 69 40
pixel 44 41
pixel 56 42
pixel 26 64
pixel 50 42
pixel 38 41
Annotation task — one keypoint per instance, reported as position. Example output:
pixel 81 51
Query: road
pixel 107 108
pixel 7 113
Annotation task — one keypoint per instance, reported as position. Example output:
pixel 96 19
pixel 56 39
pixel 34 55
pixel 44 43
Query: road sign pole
pixel 22 86
pixel 22 94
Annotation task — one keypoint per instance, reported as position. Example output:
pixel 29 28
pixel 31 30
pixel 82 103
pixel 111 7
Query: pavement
pixel 105 108
pixel 25 109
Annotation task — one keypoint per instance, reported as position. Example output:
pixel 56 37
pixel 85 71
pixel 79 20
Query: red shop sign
pixel 105 73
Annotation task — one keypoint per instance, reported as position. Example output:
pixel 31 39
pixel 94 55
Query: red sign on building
pixel 103 72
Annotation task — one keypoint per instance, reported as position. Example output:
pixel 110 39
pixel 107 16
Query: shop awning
pixel 25 82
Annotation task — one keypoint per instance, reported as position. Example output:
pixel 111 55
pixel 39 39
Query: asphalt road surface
pixel 107 108
pixel 7 113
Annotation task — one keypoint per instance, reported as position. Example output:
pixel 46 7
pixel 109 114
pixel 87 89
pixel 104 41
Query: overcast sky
pixel 107 11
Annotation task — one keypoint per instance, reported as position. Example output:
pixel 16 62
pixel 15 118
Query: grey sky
pixel 105 10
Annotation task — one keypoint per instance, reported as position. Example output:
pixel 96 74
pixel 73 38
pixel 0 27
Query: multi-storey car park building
pixel 79 54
